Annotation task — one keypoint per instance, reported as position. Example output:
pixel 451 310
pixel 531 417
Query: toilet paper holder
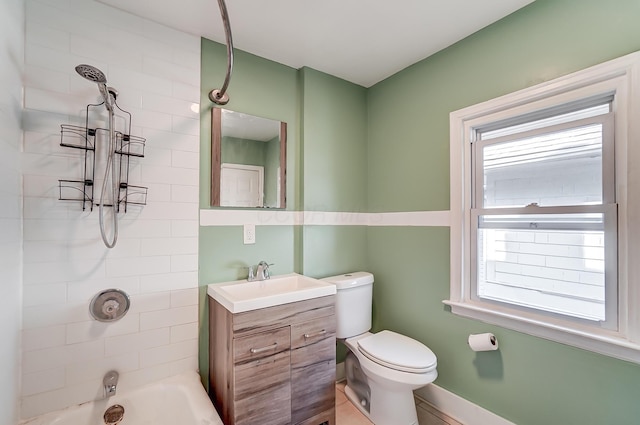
pixel 483 342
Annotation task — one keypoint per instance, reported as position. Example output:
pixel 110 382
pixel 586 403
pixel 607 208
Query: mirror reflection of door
pixel 240 139
pixel 241 185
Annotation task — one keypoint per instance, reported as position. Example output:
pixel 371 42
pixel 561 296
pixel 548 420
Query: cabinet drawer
pixel 263 344
pixel 313 331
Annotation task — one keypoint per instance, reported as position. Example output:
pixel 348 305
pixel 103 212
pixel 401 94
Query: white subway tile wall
pixel 12 29
pixel 156 71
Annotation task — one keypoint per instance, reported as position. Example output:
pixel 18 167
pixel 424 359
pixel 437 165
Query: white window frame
pixel 620 78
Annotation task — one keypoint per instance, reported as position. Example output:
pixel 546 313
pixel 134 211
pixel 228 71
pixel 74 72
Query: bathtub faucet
pixel 110 382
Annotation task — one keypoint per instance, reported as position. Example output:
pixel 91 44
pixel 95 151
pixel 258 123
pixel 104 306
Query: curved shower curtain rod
pixel 221 97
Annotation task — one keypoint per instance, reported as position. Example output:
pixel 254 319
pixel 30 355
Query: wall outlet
pixel 249 234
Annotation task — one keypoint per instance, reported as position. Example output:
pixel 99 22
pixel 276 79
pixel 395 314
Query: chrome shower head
pixel 91 73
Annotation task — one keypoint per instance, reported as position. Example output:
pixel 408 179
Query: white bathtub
pixel 179 400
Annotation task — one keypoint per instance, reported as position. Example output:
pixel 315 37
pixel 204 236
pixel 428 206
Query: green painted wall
pixel 386 149
pixel 529 381
pixel 266 89
pixel 334 173
pixel 326 146
pixel 335 143
pixel 242 151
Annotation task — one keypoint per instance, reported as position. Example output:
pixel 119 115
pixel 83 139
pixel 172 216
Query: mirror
pixel 248 160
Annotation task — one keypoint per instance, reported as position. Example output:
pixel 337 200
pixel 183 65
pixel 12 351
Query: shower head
pixel 91 73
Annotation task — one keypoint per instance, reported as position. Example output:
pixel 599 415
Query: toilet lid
pixel 398 352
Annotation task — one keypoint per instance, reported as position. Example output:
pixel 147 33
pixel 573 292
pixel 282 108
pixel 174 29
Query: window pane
pixel 546 122
pixel 554 169
pixel 549 270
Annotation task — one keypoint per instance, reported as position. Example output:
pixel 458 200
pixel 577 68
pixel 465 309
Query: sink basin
pixel 242 295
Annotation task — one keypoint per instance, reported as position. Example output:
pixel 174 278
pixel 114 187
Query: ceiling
pixel 361 41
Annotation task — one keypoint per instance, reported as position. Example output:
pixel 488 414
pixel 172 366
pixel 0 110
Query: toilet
pixel 382 368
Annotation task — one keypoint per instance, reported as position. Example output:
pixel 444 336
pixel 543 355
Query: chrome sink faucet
pixel 110 382
pixel 261 271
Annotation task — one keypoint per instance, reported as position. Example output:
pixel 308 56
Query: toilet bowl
pixel 382 368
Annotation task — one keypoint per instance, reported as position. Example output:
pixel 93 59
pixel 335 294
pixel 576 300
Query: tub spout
pixel 110 382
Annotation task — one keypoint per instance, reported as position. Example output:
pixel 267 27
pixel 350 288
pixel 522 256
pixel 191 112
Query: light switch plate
pixel 249 234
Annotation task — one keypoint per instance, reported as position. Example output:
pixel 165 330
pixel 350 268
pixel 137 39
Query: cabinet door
pixel 313 369
pixel 262 385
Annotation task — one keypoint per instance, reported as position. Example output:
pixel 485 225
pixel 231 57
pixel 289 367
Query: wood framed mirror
pixel 248 160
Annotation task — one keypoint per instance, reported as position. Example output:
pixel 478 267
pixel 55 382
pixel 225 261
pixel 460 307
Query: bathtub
pixel 179 400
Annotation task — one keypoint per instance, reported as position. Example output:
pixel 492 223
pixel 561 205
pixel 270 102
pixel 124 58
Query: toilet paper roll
pixel 483 342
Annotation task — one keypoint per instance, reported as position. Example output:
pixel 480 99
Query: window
pixel 540 205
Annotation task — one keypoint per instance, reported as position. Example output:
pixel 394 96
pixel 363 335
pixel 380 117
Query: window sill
pixel 609 345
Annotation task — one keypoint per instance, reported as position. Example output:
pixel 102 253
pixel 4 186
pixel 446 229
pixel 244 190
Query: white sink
pixel 242 295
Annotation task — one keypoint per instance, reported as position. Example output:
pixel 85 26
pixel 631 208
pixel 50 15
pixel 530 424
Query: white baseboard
pixel 450 404
pixel 459 408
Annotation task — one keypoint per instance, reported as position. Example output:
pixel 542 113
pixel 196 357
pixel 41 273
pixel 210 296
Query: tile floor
pixel 348 414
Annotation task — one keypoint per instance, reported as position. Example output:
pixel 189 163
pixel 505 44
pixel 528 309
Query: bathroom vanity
pixel 273 365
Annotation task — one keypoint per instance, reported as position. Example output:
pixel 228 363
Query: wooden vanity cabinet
pixel 274 366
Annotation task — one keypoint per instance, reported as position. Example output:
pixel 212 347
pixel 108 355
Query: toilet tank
pixel 354 295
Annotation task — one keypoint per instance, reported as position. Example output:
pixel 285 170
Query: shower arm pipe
pixel 221 97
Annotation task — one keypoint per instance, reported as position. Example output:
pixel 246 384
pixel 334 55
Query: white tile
pixel 169 211
pixel 150 302
pixel 84 291
pixel 43 360
pixel 168 281
pixel 172 175
pixel 170 71
pixel 159 192
pixel 70 395
pixel 118 345
pixel 184 332
pixel 120 267
pixel 169 140
pixel 166 318
pixel 180 193
pixel 96 368
pixel 183 159
pixel 145 228
pixel 184 228
pixel 42 295
pixel 157 71
pixel 55 81
pixel 54 314
pixel 173 245
pixel 169 104
pixel 184 297
pixel 186 92
pixel 168 353
pixel 184 263
pixel 45 337
pixel 144 82
pixel 184 125
pixel 94 330
pixel 36 252
pixel 57 272
pixel 154 373
pixel 39 382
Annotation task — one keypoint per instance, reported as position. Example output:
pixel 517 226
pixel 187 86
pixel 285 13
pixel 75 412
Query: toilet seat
pixel 398 352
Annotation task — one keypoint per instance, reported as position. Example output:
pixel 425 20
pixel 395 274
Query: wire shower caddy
pixel 127 146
